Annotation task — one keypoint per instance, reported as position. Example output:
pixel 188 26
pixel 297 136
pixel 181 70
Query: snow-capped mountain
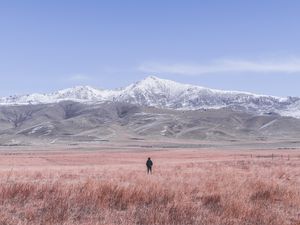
pixel 153 91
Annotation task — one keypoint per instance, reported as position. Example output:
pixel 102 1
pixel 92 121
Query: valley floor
pixel 73 185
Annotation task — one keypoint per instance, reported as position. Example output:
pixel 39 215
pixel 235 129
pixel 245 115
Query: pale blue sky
pixel 233 44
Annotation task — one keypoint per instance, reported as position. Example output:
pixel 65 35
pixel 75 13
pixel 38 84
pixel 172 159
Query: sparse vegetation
pixel 186 188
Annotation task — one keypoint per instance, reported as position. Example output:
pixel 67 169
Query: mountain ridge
pixel 162 93
pixel 73 122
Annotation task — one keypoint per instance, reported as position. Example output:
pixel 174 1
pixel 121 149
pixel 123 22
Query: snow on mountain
pixel 157 92
pixel 78 93
pixel 153 91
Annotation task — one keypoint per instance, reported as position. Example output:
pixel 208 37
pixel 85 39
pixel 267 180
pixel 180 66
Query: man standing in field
pixel 149 165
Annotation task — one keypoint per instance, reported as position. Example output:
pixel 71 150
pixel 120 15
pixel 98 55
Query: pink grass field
pixel 188 186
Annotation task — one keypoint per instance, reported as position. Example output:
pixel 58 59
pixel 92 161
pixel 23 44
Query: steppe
pixel 106 184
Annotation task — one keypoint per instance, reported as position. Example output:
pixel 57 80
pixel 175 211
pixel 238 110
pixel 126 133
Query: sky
pixel 232 45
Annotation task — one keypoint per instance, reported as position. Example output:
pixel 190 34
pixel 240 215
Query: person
pixel 149 165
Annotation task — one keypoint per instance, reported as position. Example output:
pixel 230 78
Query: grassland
pixel 188 186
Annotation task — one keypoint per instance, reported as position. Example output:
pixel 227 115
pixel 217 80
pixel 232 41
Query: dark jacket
pixel 149 163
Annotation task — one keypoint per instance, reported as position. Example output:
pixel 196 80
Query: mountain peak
pixel 152 80
pixel 81 88
pixel 154 85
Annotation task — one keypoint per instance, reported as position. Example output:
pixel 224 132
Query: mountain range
pixel 148 110
pixel 167 94
pixel 70 122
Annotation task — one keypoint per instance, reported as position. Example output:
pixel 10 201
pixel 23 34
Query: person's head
pixel 149 158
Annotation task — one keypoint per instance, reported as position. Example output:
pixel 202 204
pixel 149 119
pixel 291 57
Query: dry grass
pixel 187 187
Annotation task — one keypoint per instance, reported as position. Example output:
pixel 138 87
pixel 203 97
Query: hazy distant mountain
pixel 162 93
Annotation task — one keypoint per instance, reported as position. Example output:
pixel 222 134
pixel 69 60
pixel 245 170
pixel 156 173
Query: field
pixel 188 186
